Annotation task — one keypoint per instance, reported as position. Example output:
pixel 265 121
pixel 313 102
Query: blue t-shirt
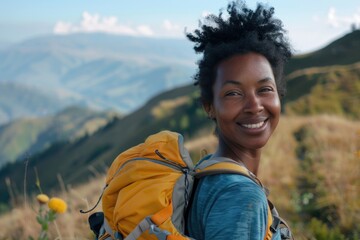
pixel 228 206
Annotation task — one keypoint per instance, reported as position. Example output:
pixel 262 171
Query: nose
pixel 253 104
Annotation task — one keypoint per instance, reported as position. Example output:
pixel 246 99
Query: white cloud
pixel 315 18
pixel 171 29
pixel 145 30
pixel 205 14
pixel 337 21
pixel 169 26
pixel 62 28
pixel 97 23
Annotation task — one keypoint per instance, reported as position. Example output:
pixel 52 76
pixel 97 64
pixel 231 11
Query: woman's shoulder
pixel 224 199
pixel 227 180
pixel 228 183
pixel 236 185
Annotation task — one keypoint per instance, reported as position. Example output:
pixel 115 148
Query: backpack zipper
pixel 165 162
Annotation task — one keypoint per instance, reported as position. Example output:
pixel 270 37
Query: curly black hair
pixel 242 32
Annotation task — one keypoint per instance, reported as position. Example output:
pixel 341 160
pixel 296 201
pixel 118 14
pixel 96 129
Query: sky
pixel 311 24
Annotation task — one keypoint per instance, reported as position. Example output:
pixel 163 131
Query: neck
pixel 249 157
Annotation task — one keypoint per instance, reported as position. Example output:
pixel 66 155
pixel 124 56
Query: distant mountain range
pixel 19 100
pixel 102 71
pixel 343 51
pixel 22 138
pixel 96 70
pixel 312 89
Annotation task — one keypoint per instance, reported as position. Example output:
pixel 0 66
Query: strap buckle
pixel 160 234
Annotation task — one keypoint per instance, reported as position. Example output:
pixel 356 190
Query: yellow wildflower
pixel 57 205
pixel 358 153
pixel 42 198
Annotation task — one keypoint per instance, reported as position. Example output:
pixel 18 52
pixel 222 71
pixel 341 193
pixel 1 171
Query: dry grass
pixel 165 107
pixel 337 144
pixel 202 144
pixel 278 169
pixel 20 222
pixel 317 70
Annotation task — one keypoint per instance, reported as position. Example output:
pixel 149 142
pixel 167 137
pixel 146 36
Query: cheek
pixel 275 109
pixel 277 105
pixel 226 110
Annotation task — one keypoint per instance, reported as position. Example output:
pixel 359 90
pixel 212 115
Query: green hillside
pixel 24 137
pixel 18 136
pixel 325 90
pixel 343 51
pixel 77 160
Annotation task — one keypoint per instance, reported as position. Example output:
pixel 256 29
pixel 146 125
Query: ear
pixel 208 107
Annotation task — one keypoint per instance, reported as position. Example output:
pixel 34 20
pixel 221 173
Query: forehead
pixel 243 67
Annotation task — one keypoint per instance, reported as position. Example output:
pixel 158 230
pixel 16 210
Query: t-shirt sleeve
pixel 239 211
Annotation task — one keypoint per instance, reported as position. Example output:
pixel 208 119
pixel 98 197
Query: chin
pixel 256 145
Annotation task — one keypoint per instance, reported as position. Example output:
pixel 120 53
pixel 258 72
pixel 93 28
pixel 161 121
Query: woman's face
pixel 246 104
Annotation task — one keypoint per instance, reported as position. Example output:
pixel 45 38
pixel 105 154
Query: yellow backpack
pixel 148 189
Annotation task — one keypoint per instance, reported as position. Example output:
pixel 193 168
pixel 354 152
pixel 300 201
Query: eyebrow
pixel 264 80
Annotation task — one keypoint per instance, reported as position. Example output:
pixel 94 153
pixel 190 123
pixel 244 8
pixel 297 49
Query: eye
pixel 233 93
pixel 266 89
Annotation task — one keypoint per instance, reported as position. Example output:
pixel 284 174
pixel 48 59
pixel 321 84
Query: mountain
pixel 343 51
pixel 22 138
pixel 118 72
pixel 5 44
pixel 326 81
pixel 97 70
pixel 179 110
pixel 76 160
pixel 325 90
pixel 17 101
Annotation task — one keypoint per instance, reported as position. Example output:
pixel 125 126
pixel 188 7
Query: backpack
pixel 148 189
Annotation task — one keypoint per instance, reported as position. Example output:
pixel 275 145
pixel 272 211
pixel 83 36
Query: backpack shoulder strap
pixel 221 165
pixel 279 224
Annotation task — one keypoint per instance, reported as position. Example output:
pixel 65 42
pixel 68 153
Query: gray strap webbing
pixel 159 233
pixel 215 160
pixel 139 229
pixel 280 224
pixel 147 224
pixel 106 233
pixel 211 161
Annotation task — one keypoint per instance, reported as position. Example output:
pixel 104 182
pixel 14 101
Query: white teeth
pixel 257 125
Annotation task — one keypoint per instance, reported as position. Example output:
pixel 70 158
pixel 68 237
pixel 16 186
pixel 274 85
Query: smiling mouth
pixel 253 126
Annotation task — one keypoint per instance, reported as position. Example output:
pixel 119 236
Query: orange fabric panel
pixel 227 166
pixel 268 234
pixel 175 237
pixel 161 216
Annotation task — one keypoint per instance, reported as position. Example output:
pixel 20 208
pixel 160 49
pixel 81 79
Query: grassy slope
pixel 344 51
pixel 281 170
pixel 331 90
pixel 18 136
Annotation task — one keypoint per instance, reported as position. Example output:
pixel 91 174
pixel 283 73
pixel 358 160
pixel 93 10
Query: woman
pixel 240 79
